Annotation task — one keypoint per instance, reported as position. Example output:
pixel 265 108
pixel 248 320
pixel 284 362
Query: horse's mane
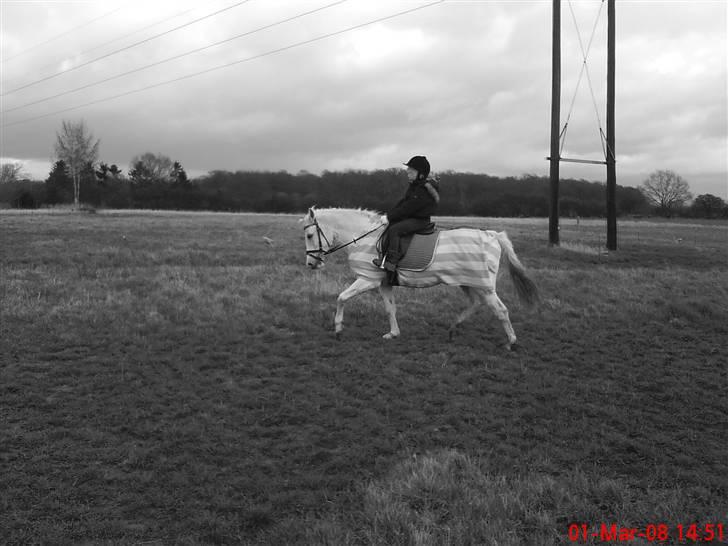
pixel 334 210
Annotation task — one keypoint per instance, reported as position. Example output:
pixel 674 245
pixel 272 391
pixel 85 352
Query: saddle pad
pixel 420 252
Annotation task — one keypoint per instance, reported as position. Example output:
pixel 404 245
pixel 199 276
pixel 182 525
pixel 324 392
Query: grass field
pixel 171 378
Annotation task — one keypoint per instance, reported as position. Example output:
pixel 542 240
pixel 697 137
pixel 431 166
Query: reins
pixel 316 254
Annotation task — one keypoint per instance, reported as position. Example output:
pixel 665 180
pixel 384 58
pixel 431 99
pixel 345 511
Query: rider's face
pixel 411 174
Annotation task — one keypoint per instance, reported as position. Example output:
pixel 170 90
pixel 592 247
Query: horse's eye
pixel 309 235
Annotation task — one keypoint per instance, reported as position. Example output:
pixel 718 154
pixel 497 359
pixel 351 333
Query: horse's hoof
pixel 338 336
pixel 390 335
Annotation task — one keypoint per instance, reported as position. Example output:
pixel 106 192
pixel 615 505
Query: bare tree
pixel 76 147
pixel 151 168
pixel 11 172
pixel 666 190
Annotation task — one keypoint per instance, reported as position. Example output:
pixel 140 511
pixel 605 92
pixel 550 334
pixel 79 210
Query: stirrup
pixel 379 262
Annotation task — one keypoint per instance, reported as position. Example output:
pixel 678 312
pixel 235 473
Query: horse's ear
pixel 311 212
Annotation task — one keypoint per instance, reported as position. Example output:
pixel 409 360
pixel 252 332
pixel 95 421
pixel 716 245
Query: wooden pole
pixel 555 124
pixel 611 154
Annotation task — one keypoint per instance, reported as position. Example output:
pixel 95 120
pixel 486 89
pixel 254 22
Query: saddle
pixel 418 249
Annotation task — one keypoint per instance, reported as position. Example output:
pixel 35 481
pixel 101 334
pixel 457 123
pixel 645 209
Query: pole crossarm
pixel 590 161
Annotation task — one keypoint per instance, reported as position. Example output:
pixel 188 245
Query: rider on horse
pixel 411 214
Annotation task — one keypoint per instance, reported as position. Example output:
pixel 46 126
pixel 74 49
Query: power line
pixel 62 34
pixel 175 57
pixel 227 65
pixel 122 49
pixel 137 31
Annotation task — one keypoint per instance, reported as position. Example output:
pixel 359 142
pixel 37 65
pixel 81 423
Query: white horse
pixel 464 257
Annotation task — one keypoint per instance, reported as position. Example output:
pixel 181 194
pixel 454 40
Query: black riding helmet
pixel 420 164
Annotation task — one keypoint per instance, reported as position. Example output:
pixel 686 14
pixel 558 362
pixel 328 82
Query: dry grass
pixel 173 378
pixel 447 498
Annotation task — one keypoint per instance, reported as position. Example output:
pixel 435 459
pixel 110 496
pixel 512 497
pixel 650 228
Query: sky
pixel 294 86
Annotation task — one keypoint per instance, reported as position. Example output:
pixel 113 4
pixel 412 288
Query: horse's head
pixel 318 239
pixel 326 229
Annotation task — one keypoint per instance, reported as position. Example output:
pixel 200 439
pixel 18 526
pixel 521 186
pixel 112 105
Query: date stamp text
pixel 658 532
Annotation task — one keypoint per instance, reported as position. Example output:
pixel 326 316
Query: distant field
pixel 173 378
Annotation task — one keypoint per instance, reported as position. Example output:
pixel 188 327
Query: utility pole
pixel 555 157
pixel 611 158
pixel 555 123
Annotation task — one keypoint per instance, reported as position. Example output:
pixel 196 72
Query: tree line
pixel 462 194
pixel 154 181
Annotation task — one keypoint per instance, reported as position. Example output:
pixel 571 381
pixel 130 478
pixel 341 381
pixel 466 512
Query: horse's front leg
pixel 357 287
pixel 388 296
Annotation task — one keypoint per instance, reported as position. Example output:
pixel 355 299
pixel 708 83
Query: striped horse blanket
pixel 462 257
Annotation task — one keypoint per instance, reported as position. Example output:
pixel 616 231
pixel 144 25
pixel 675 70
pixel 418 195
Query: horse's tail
pixel 525 287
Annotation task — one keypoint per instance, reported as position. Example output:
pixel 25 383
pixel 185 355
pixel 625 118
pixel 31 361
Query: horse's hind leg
pixel 474 304
pixel 500 310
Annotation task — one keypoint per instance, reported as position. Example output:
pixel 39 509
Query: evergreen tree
pixel 59 186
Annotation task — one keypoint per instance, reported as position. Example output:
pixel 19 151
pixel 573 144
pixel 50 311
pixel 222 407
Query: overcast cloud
pixel 466 83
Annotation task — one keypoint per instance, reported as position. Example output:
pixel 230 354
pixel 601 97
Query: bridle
pixel 316 254
pixel 320 251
